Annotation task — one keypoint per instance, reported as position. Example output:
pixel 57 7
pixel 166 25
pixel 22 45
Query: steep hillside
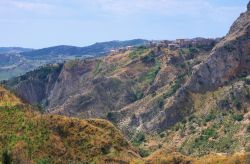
pixel 55 139
pixel 210 113
pixel 37 84
pixel 227 64
pixel 191 100
pixel 96 87
pixel 29 137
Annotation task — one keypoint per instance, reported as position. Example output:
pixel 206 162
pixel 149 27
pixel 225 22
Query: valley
pixel 17 61
pixel 183 101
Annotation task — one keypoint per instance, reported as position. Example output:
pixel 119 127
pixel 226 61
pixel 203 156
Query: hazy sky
pixel 43 23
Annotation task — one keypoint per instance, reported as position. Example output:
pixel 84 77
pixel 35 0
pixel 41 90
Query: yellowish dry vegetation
pixel 8 99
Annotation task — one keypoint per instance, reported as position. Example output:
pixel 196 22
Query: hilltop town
pixel 174 44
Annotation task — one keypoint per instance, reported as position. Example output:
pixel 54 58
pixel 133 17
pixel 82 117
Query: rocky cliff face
pixel 228 62
pixel 229 59
pixel 131 88
pixel 77 92
pixel 94 88
pixel 35 86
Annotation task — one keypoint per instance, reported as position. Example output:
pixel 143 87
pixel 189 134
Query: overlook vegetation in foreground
pixel 30 137
pixel 26 136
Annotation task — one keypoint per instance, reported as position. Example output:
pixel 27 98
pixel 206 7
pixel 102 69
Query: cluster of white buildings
pixel 184 43
pixel 175 44
pixel 121 50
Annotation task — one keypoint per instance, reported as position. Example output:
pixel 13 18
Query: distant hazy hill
pixel 13 50
pixel 96 49
pixel 15 61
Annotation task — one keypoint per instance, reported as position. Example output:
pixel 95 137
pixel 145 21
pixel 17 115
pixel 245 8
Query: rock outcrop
pixel 229 59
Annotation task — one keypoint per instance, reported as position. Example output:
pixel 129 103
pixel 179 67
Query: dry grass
pixel 57 139
pixel 8 99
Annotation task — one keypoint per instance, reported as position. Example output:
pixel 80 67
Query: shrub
pixel 139 138
pixel 105 149
pixel 162 135
pixel 238 117
pixel 153 93
pixel 150 58
pixel 192 117
pixel 44 161
pixel 149 76
pixel 138 52
pixel 224 104
pixel 161 103
pixel 248 128
pixel 111 117
pixel 238 105
pixel 174 87
pixel 136 95
pixel 98 67
pixel 193 50
pixel 143 152
pixel 210 132
pixel 181 51
pixel 6 157
pixel 210 117
pixel 247 81
pixel 236 101
pixel 229 47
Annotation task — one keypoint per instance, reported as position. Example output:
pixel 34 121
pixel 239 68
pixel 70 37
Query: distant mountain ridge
pixel 15 61
pixel 96 49
pixel 4 50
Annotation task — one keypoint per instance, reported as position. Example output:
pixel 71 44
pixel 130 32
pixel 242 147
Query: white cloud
pixel 168 7
pixel 30 5
pixel 185 8
pixel 24 5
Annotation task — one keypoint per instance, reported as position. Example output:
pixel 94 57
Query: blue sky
pixel 43 23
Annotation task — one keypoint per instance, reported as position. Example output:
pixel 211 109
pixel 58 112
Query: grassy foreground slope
pixel 8 99
pixel 26 136
pixel 29 137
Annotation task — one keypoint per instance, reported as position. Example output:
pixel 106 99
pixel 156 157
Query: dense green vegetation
pixel 138 52
pixel 150 75
pixel 215 136
pixel 138 139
